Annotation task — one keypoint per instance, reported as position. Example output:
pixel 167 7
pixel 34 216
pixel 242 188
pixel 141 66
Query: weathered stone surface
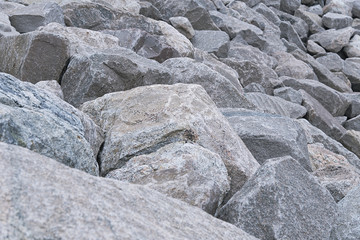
pixel 354 108
pixel 5 26
pixel 89 77
pixel 42 199
pixel 187 172
pixel 332 61
pixel 268 13
pixel 317 9
pixel 351 140
pixel 217 42
pixel 183 25
pixel 29 18
pixel 280 196
pixel 254 87
pixel 321 118
pixel 333 171
pixel 314 48
pixel 51 86
pixel 356 9
pixel 268 136
pixel 234 26
pixel 144 119
pixel 329 98
pixel 44 123
pixel 34 56
pixel 289 6
pixel 222 91
pixel 353 48
pixel 348 219
pixel 338 6
pixel 276 105
pixel 333 40
pixel 353 123
pixel 289 33
pixel 150 11
pixel 352 71
pixel 289 94
pixel 336 21
pixel 289 66
pixel 324 75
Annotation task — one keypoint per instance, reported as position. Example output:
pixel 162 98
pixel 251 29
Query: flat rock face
pixel 54 198
pixel 44 123
pixel 268 136
pixel 216 42
pixel 146 119
pixel 51 86
pixel 282 201
pixel 352 71
pixel 353 48
pixel 332 61
pixel 187 172
pixel 89 77
pixel 336 21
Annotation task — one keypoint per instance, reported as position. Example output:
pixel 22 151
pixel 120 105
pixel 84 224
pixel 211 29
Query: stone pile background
pixel 167 119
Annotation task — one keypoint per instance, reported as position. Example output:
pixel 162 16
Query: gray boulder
pixel 254 87
pixel 289 33
pixel 332 61
pixel 269 136
pixel 330 99
pixel 314 48
pixel 44 191
pixel 268 206
pixel 353 48
pixel 352 71
pixel 354 108
pixel 312 20
pixel 289 6
pixel 150 11
pixel 356 9
pixel 5 26
pixel 183 25
pixel 51 86
pixel 29 18
pixel 351 140
pixel 353 123
pixel 289 94
pixel 333 40
pixel 90 77
pixel 338 6
pixel 336 21
pixel 187 172
pixel 42 122
pixel 323 74
pixel 217 42
pixel 145 119
pixel 321 118
pixel 276 105
pixel 223 91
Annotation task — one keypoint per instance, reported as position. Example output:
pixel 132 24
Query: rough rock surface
pixel 352 71
pixel 216 42
pixel 280 196
pixel 187 172
pixel 353 48
pixel 44 123
pixel 336 21
pixel 51 86
pixel 99 208
pixel 145 119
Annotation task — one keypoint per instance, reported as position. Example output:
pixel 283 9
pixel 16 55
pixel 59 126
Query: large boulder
pixel 336 21
pixel 269 136
pixel 90 77
pixel 332 61
pixel 313 20
pixel 223 91
pixel 144 119
pixel 216 42
pixel 42 199
pixel 187 172
pixel 282 201
pixel 42 122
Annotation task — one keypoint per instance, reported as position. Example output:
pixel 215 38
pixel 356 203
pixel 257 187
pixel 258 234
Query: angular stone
pixel 5 26
pixel 352 71
pixel 144 119
pixel 42 122
pixel 329 98
pixel 89 77
pixel 336 21
pixel 233 26
pixel 268 13
pixel 289 66
pixel 321 118
pixel 282 195
pixel 338 6
pixel 34 56
pixel 324 75
pixel 333 171
pixel 356 9
pixel 333 40
pixel 268 136
pixel 44 191
pixel 289 33
pixel 254 87
pixel 183 25
pixel 217 42
pixel 29 18
pixel 276 105
pixel 289 94
pixel 353 48
pixel 332 61
pixel 351 140
pixel 222 91
pixel 187 172
pixel 317 9
pixel 314 48
pixel 353 124
pixel 289 6
pixel 354 108
pixel 150 11
pixel 51 86
pixel 132 38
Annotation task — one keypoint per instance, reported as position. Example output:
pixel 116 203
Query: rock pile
pixel 167 119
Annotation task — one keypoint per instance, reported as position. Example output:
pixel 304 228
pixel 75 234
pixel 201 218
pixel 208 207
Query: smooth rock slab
pixel 282 201
pixel 89 77
pixel 42 122
pixel 187 172
pixel 268 136
pixel 142 120
pixel 42 199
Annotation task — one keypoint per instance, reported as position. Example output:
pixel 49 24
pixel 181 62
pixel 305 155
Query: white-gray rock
pixel 51 86
pixel 354 108
pixel 351 140
pixel 217 42
pixel 289 94
pixel 314 48
pixel 332 61
pixel 353 48
pixel 336 21
pixel 352 71
pixel 183 25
